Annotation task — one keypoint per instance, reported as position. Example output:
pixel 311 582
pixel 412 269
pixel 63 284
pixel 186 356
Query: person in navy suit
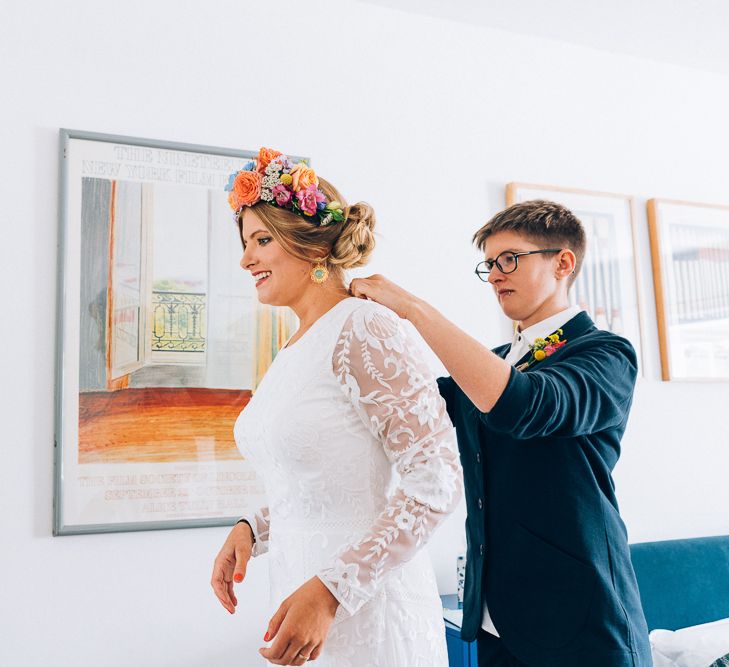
pixel 549 581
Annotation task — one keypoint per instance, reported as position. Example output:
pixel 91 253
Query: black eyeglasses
pixel 506 262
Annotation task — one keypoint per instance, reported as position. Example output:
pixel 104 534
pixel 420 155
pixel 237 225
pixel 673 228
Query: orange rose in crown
pixel 265 155
pixel 246 189
pixel 303 177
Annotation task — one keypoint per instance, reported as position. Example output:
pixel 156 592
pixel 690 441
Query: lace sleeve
pixel 382 373
pixel 259 524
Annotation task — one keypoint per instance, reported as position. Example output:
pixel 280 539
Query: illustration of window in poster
pixel 690 250
pixel 160 338
pixel 606 287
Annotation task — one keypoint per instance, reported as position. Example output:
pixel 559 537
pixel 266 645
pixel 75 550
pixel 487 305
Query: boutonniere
pixel 543 348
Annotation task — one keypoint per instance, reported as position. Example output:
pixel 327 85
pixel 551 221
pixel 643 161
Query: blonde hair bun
pixel 355 243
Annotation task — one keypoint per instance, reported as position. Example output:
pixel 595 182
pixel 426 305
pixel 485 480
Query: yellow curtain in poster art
pixel 274 327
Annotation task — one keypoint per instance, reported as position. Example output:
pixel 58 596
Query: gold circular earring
pixel 319 273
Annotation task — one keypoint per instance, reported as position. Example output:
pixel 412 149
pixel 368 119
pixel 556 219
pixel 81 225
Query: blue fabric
pixel 683 582
pixel 546 545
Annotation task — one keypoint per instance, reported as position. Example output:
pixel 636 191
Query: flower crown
pixel 273 178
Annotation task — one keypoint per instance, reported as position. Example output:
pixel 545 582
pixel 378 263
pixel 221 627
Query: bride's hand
pixel 230 564
pixel 383 291
pixel 301 625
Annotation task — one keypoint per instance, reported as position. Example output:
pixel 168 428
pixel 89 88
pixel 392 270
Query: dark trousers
pixel 492 653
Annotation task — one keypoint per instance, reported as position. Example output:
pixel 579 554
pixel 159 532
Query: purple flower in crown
pixel 282 194
pixel 309 199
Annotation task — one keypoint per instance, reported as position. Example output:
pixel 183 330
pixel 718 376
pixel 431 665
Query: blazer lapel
pixel 579 325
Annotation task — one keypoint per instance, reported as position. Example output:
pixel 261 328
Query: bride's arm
pixel 248 537
pixel 260 524
pixel 382 373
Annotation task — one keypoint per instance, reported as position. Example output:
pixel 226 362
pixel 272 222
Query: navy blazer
pixel 547 548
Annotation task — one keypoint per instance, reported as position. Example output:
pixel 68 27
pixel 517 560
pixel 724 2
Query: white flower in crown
pixel 266 194
pixel 274 168
pixel 269 181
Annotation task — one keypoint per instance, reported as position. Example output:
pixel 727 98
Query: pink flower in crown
pixel 309 198
pixel 282 194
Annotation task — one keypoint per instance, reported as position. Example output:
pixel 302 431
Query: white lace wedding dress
pixel 358 457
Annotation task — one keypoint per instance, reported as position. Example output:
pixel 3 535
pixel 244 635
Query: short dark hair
pixel 543 222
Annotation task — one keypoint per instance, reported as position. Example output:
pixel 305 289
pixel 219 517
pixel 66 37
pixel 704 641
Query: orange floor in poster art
pixel 159 425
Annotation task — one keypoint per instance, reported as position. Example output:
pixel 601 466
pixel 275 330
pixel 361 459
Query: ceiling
pixel 689 33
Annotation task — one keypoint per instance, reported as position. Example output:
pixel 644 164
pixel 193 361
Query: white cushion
pixel 696 646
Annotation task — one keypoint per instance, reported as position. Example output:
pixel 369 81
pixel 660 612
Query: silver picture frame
pixel 158 335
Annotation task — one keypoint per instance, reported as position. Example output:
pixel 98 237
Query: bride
pixel 351 438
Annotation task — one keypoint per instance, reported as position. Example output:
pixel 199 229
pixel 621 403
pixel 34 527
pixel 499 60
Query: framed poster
pixel 607 285
pixel 690 252
pixel 160 338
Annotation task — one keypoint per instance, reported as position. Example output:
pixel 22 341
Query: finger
pixel 292 654
pixel 305 651
pixel 241 565
pixel 225 600
pixel 219 584
pixel 231 594
pixel 275 652
pixel 316 652
pixel 275 623
pixel 358 288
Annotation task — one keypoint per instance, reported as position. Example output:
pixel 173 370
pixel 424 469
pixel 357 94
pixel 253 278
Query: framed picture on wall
pixel 607 285
pixel 160 338
pixel 690 252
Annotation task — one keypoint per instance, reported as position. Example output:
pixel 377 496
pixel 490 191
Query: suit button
pixel 482 549
pixel 480 504
pixel 478 457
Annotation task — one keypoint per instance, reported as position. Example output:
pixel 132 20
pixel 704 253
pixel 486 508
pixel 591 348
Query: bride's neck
pixel 317 300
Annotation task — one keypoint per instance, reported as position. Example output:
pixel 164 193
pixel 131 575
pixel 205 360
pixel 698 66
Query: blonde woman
pixel 350 435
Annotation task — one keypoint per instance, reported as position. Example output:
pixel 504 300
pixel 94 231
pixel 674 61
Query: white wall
pixel 425 118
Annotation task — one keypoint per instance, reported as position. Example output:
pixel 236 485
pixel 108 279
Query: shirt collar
pixel 545 327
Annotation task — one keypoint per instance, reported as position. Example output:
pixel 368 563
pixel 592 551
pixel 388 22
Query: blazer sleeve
pixel 589 391
pixel 446 387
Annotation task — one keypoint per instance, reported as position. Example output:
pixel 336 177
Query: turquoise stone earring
pixel 319 273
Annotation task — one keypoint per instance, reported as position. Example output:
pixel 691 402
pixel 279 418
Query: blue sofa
pixel 681 582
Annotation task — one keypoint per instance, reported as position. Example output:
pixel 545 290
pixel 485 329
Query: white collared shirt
pixel 523 340
pixel 520 345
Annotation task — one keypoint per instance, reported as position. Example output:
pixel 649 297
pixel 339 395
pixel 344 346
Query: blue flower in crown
pixel 248 166
pixel 231 180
